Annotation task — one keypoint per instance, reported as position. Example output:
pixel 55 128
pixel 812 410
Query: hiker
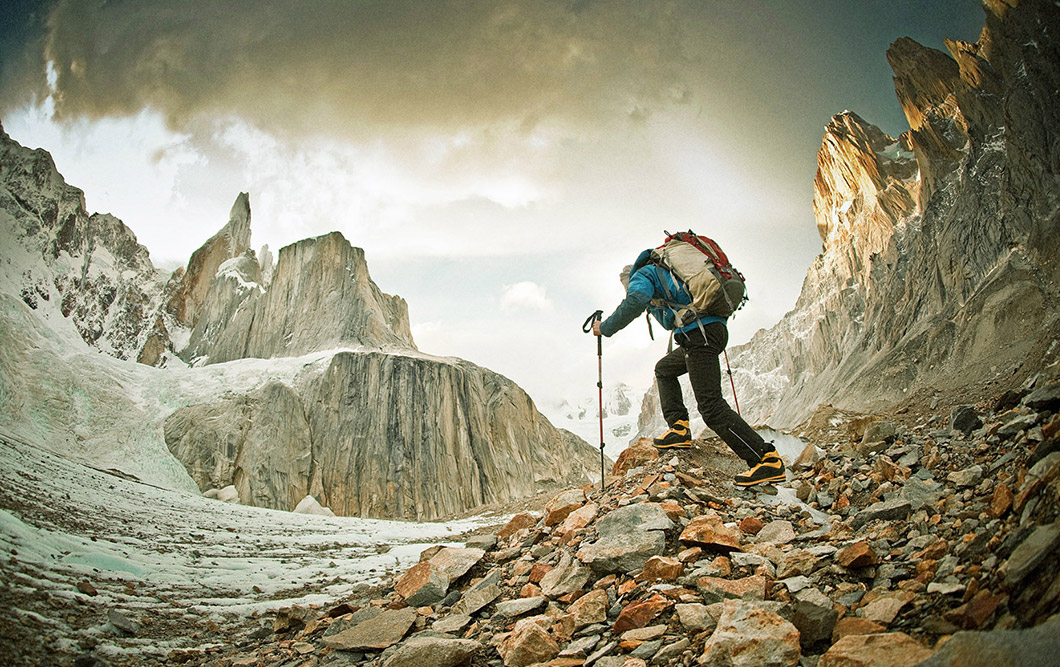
pixel 652 287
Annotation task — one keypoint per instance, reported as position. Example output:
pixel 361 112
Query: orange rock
pixel 973 614
pixel 635 456
pixel 895 649
pixel 852 625
pixel 640 614
pixel 751 525
pixel 517 523
pixel 716 589
pixel 859 554
pixel 661 568
pixel 538 572
pixel 673 509
pixel 561 506
pixel 1001 501
pixel 933 551
pixel 627 586
pixel 708 530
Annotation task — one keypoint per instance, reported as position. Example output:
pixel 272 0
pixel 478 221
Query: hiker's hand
pixel 596 328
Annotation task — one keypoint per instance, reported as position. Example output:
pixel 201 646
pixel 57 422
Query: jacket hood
pixel 643 259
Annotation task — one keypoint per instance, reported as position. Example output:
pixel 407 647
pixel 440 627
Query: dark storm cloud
pixel 344 66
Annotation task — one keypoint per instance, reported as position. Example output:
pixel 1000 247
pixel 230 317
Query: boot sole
pixel 679 445
pixel 765 480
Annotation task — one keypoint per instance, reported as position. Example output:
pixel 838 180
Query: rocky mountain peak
pixel 188 295
pixel 940 245
pixel 865 185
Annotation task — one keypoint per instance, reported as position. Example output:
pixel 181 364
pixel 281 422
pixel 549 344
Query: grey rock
pixel 1017 424
pixel 386 629
pixel 965 419
pixel 967 477
pixel 623 552
pixel 1046 397
pixel 695 617
pixel 452 624
pixel 568 576
pixel 520 606
pixel 433 652
pixel 1034 646
pixel 580 647
pixel 647 650
pixel 671 652
pixel 880 431
pixel 814 621
pixel 779 532
pixel 484 542
pixel 1040 545
pixel 477 598
pixel 899 508
pixel 921 492
pixel 633 518
pixel 122 622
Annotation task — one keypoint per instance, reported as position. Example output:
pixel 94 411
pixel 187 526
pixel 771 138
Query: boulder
pixel 750 636
pixel 634 518
pixel 520 606
pixel 708 531
pixel 1033 646
pixel 634 456
pixel 715 589
pixel 859 554
pixel 557 509
pixel 527 644
pixel 1039 545
pixel 433 652
pixel 518 522
pixel 640 614
pixel 567 577
pixel 375 634
pixel 623 553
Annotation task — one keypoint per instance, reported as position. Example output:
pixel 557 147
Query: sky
pixel 499 162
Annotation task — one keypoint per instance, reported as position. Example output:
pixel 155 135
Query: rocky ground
pixel 928 535
pixel 895 535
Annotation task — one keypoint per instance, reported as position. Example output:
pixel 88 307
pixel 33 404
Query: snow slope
pixel 185 569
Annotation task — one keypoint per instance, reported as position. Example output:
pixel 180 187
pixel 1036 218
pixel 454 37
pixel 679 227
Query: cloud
pixel 353 68
pixel 524 296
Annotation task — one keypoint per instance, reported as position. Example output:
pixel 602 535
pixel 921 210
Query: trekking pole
pixel 729 370
pixel 587 328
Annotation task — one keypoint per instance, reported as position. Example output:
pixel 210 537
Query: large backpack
pixel 716 287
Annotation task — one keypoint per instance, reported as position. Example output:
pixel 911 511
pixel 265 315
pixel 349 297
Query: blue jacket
pixel 648 282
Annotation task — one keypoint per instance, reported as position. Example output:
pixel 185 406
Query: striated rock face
pixel 320 297
pixel 935 273
pixel 260 443
pixel 380 435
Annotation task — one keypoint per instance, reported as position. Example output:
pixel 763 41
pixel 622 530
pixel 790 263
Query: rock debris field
pixel 916 537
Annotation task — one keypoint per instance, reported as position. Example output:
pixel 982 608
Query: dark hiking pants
pixel 698 356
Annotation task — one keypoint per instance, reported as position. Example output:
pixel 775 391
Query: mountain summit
pixel 286 380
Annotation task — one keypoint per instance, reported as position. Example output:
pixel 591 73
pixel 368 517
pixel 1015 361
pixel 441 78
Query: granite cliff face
pixel 939 266
pixel 333 398
pixel 381 435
